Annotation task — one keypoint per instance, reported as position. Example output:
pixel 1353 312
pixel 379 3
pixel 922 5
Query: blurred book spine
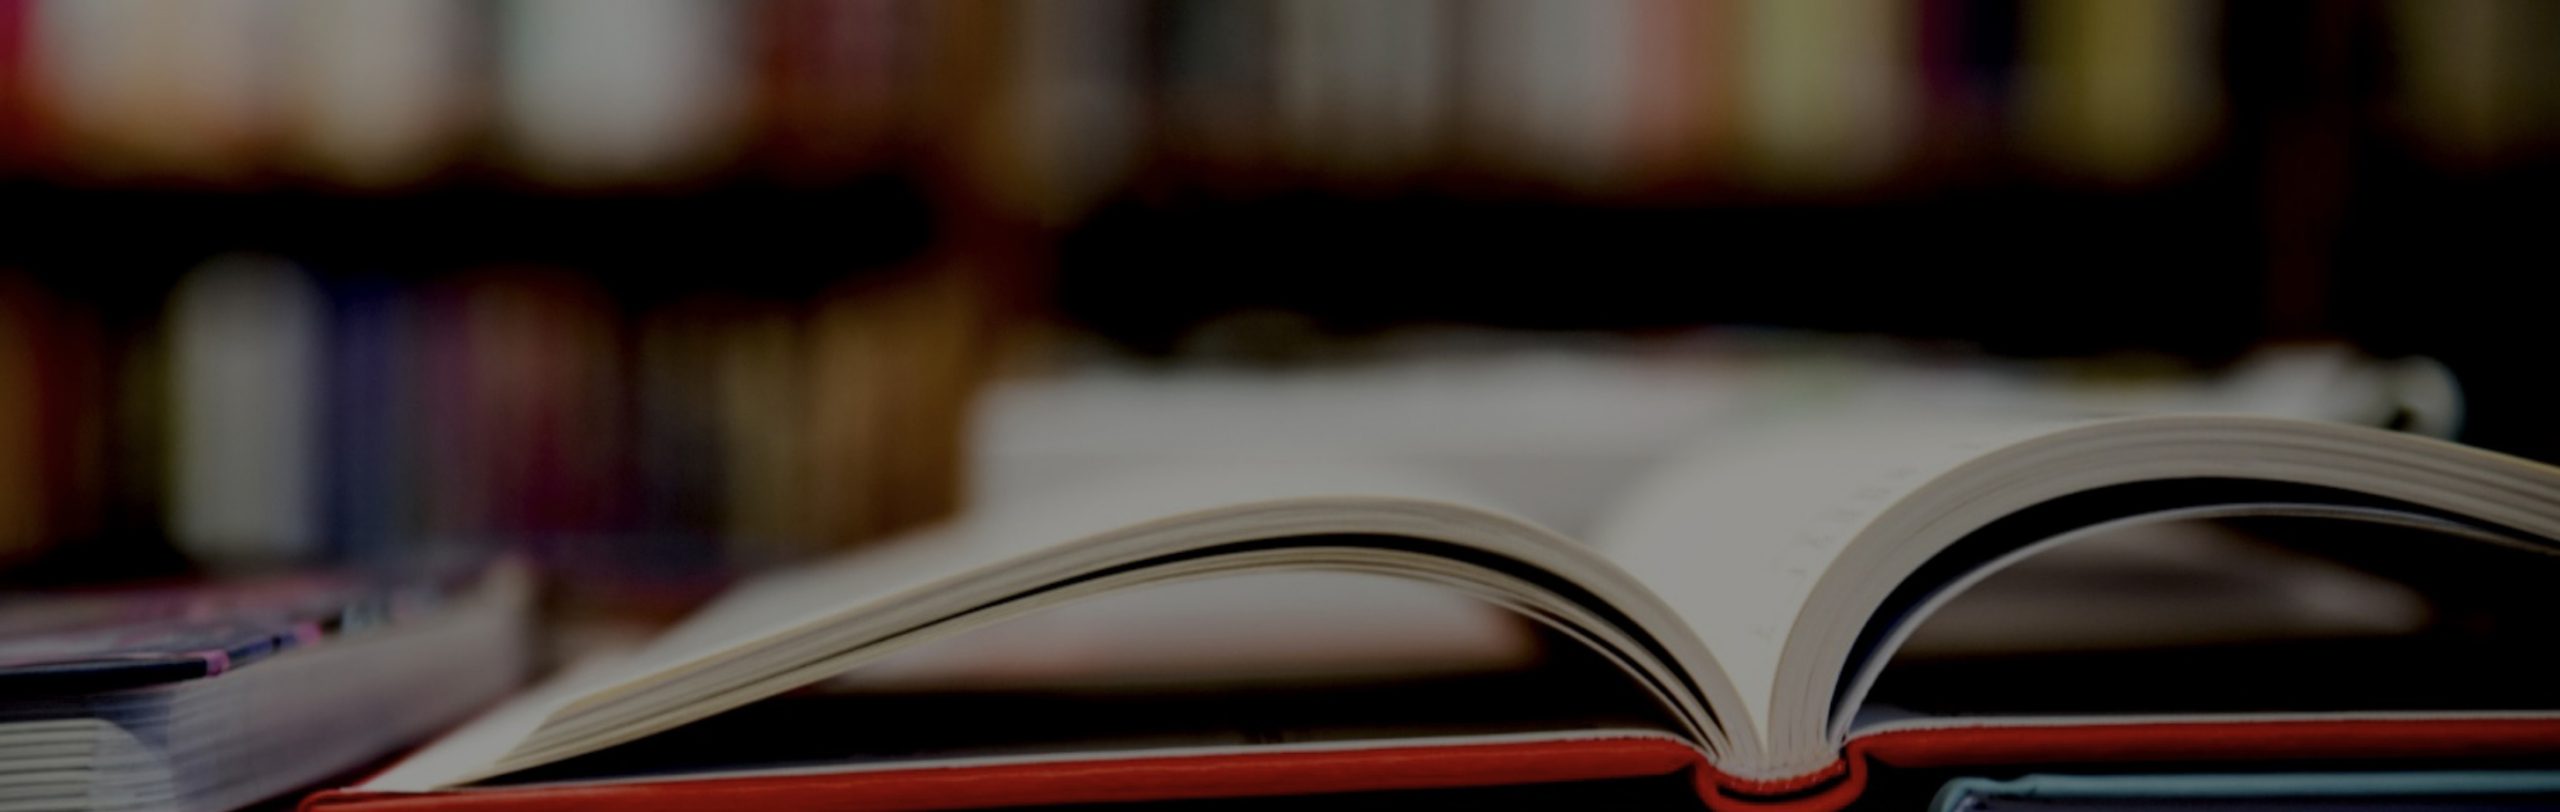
pixel 600 91
pixel 23 499
pixel 244 363
pixel 2474 85
pixel 371 409
pixel 1362 90
pixel 2120 90
pixel 833 81
pixel 1829 97
pixel 380 92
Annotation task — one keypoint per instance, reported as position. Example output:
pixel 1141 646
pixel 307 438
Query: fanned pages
pixel 1753 592
pixel 1832 537
pixel 799 629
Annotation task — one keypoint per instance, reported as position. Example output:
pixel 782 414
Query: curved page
pixel 812 625
pixel 1787 552
pixel 1735 535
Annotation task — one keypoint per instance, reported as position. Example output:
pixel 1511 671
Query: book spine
pixel 1831 788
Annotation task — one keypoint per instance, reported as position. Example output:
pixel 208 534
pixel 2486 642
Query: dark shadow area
pixel 2336 616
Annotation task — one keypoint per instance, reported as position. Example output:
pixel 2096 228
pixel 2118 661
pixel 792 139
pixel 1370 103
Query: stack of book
pixel 212 697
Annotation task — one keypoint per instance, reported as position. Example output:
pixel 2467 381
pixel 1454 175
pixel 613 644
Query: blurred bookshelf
pixel 670 287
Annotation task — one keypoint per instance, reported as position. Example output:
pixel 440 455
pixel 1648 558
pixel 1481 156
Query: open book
pixel 1752 593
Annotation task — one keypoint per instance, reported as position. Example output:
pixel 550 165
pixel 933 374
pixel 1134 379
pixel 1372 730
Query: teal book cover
pixel 2444 790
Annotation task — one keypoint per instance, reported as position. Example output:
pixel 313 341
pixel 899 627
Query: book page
pixel 769 607
pixel 1018 527
pixel 1553 434
pixel 2013 494
pixel 1035 555
pixel 1735 535
pixel 1246 632
pixel 1164 686
pixel 1288 628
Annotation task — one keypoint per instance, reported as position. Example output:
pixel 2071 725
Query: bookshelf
pixel 842 207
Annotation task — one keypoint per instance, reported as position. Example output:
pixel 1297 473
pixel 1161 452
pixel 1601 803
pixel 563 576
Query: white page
pixel 1019 527
pixel 1735 535
pixel 813 595
pixel 1550 434
pixel 1263 628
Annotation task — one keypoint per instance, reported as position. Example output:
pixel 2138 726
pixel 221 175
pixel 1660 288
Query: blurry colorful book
pixel 213 696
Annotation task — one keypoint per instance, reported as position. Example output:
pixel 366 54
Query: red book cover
pixel 1451 765
pixel 1137 778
